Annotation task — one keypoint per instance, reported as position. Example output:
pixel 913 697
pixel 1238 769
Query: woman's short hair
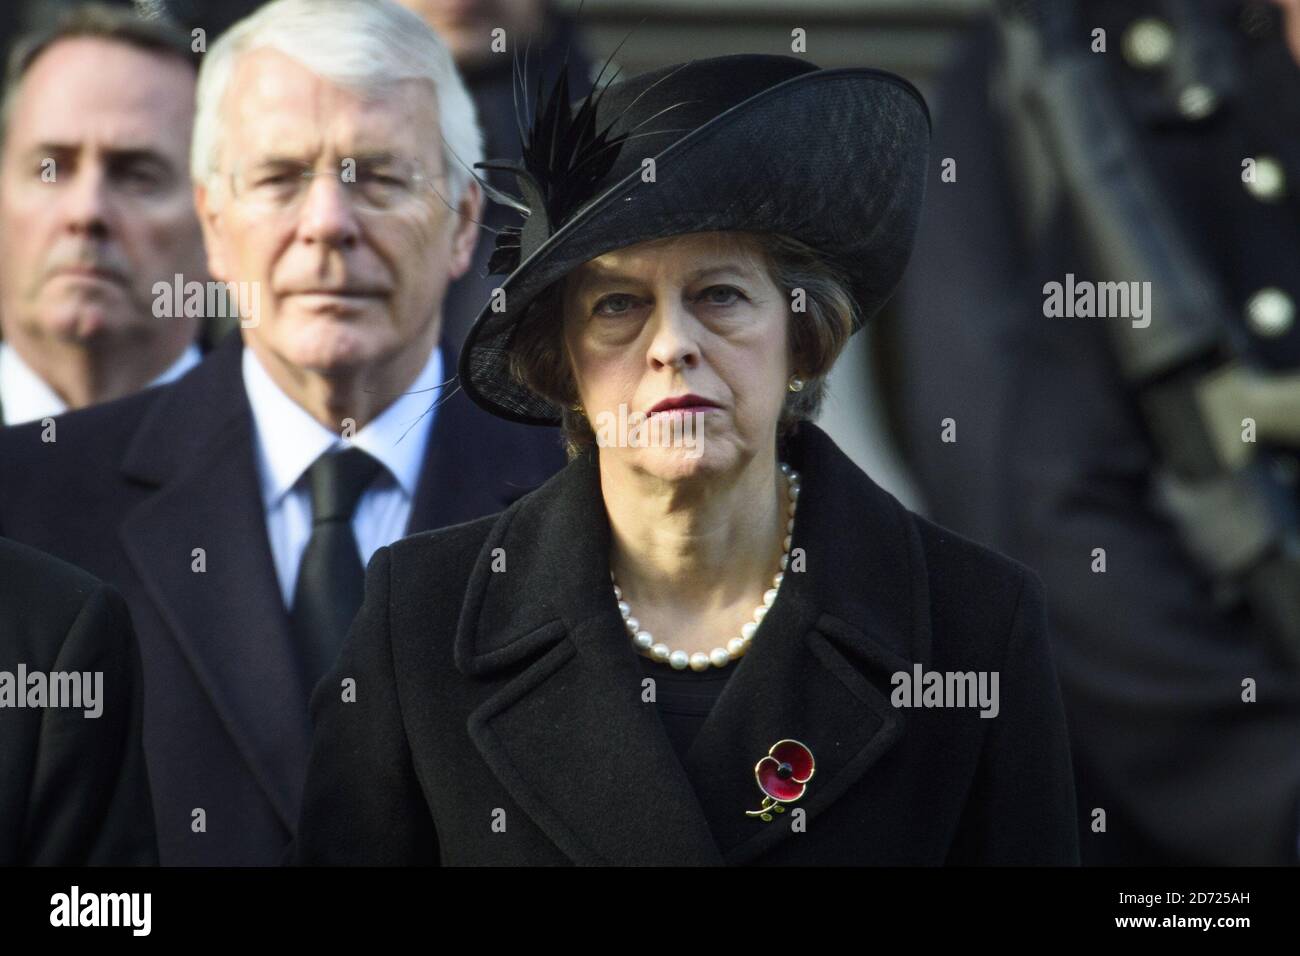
pixel 362 45
pixel 818 334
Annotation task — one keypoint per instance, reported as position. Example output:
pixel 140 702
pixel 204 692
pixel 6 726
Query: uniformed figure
pixel 1048 436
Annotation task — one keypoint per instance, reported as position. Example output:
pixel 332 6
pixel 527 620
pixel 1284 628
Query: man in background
pixel 236 507
pixel 96 207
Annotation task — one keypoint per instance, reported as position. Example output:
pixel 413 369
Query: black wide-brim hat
pixel 833 158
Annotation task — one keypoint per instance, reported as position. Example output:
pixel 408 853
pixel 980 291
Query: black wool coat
pixel 73 788
pixel 481 716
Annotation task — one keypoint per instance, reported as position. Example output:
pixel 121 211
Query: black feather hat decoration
pixel 564 156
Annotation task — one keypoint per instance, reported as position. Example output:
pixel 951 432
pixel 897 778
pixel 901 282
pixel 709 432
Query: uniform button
pixel 1197 101
pixel 1269 184
pixel 1270 312
pixel 1147 43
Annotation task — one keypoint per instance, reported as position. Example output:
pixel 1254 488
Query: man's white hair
pixel 361 45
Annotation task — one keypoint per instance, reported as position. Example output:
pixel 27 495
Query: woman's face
pixel 691 315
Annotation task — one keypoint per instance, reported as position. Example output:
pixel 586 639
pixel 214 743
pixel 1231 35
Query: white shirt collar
pixel 289 439
pixel 189 358
pixel 26 397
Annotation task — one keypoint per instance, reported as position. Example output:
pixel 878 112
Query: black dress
pixel 684 698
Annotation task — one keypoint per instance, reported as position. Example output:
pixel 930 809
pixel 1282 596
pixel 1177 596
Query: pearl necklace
pixel 736 647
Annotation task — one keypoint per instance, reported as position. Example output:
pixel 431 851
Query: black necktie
pixel 331 579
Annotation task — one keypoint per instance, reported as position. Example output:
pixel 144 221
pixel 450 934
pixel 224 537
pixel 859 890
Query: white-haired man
pixel 235 508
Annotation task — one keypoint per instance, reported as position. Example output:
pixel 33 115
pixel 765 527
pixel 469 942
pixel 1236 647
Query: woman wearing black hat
pixel 711 638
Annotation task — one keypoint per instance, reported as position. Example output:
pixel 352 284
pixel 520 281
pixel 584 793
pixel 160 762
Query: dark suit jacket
pixel 73 788
pixel 129 490
pixel 211 333
pixel 482 692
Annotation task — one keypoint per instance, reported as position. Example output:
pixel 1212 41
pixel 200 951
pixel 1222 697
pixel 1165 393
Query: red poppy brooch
pixel 783 776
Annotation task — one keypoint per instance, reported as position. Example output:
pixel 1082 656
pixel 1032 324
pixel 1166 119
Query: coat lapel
pixel 569 735
pixel 196 446
pixel 820 666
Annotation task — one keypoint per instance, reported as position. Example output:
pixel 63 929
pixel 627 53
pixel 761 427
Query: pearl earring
pixel 796 384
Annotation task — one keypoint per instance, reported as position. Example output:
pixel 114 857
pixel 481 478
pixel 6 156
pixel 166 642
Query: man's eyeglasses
pixel 385 186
